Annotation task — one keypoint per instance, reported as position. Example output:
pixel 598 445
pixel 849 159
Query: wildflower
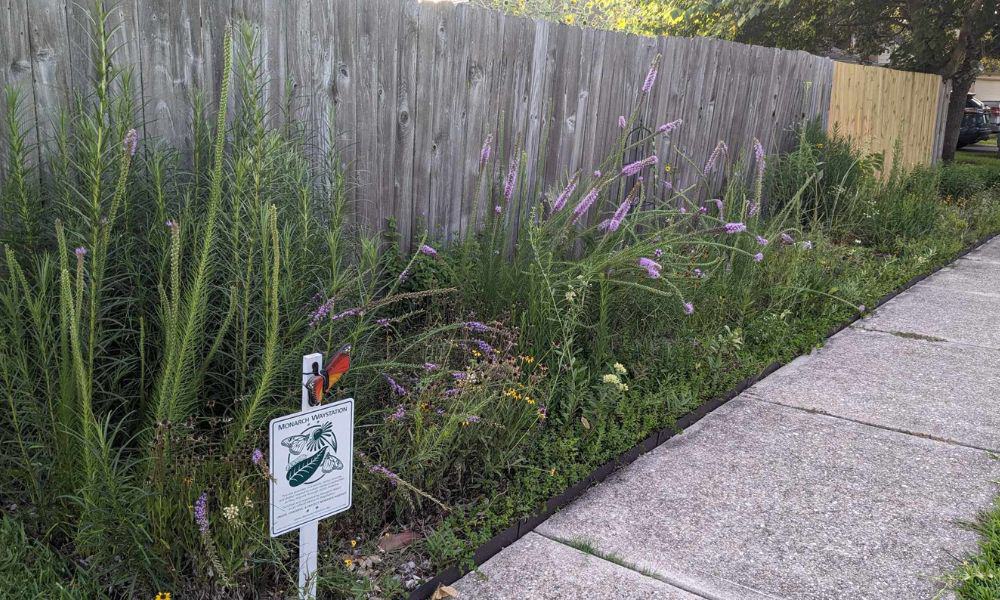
pixel 563 196
pixel 650 78
pixel 527 358
pixel 80 252
pixel 351 312
pixel 584 205
pixel 668 187
pixel 349 562
pixel 734 227
pixel 497 209
pixel 380 470
pixel 619 368
pixel 697 272
pixel 638 166
pixel 529 400
pixel 231 512
pixel 758 154
pixel 382 322
pixel 597 174
pixel 688 308
pixel 460 375
pixel 543 412
pixel 861 308
pixel 621 122
pixel 429 366
pixel 615 221
pixel 615 380
pixel 257 456
pixel 658 253
pixel 395 387
pixel 484 154
pixel 720 149
pixel 718 204
pixel 476 327
pixel 162 596
pixel 201 512
pixel 787 239
pixel 131 141
pixel 552 472
pixel 170 224
pixel 758 257
pixel 702 210
pixel 398 415
pixel 471 419
pixel 754 209
pixel 354 543
pixel 666 128
pixel 247 502
pixel 570 296
pixel 321 312
pixel 451 392
pixel 761 240
pixel 425 249
pixel 403 276
pixel 511 180
pixel 807 245
pixel 483 347
pixel 652 267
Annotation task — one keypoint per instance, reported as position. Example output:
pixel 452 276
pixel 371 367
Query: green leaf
pixel 301 471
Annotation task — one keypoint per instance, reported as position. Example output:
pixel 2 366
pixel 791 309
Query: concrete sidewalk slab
pixel 761 500
pixel 541 569
pixel 940 389
pixel 964 275
pixel 941 313
pixel 989 251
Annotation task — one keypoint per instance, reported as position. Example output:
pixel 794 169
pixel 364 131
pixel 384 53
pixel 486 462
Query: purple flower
pixel 697 273
pixel 484 154
pixel 652 267
pixel 720 149
pixel 380 470
pixel 584 205
pixel 80 252
pixel 615 221
pixel 669 187
pixel 543 412
pixel 399 415
pixel 403 276
pixel 597 173
pixel 702 210
pixel 459 375
pixel 476 326
pixel 472 419
pixel 452 392
pixel 650 78
pixel 758 257
pixel 754 209
pixel 201 512
pixel 497 209
pixel 320 313
pixel 787 239
pixel 658 253
pixel 511 180
pixel 257 456
pixel 131 141
pixel 429 366
pixel 718 204
pixel 382 322
pixel 734 227
pixel 350 312
pixel 639 165
pixel 483 346
pixel 621 122
pixel 564 195
pixel 758 153
pixel 395 387
pixel 688 308
pixel 807 245
pixel 666 128
pixel 761 240
pixel 425 249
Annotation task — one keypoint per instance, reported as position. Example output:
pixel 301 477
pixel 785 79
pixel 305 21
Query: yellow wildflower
pixel 569 19
pixel 349 562
pixel 354 543
pixel 162 596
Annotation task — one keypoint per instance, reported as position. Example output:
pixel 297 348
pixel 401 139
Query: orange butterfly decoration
pixel 320 383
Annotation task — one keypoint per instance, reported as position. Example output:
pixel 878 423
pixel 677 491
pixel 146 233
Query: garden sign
pixel 311 462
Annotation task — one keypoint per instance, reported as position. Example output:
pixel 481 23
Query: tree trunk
pixel 960 86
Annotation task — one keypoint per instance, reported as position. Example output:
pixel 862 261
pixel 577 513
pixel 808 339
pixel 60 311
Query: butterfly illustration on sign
pixel 311 454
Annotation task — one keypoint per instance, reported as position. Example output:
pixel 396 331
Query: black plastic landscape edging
pixel 516 531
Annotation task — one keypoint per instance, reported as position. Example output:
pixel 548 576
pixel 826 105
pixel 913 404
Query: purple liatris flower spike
pixel 380 470
pixel 80 252
pixel 702 210
pixel 621 122
pixel 483 347
pixel 425 249
pixel 398 415
pixel 257 456
pixel 476 326
pixel 472 419
pixel 734 227
pixel 382 322
pixel 201 512
pixel 666 128
pixel 395 387
pixel 484 154
pixel 597 174
pixel 429 366
pixel 615 221
pixel 697 273
pixel 321 312
pixel 787 239
pixel 585 203
pixel 762 240
pixel 511 181
pixel 717 153
pixel 564 195
pixel 658 253
pixel 688 308
pixel 638 166
pixel 652 267
pixel 497 209
pixel 718 204
pixel 131 141
pixel 754 209
pixel 650 78
pixel 350 312
pixel 758 257
pixel 668 186
pixel 404 275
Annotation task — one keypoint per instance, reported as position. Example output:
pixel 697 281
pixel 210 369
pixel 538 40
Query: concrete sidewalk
pixel 849 473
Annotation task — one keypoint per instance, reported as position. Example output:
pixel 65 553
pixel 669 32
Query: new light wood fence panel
pixel 416 88
pixel 897 113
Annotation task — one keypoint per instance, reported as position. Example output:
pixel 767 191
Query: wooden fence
pixel 418 87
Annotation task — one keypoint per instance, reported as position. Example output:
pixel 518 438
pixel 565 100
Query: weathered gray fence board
pixel 15 64
pixel 416 88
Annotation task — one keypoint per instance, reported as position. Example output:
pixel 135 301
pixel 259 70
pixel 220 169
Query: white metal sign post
pixel 311 461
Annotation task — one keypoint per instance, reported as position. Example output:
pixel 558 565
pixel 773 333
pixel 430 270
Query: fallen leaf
pixel 585 422
pixel 388 543
pixel 443 592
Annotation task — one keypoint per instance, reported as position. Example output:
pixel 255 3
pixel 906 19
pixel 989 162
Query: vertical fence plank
pixel 16 58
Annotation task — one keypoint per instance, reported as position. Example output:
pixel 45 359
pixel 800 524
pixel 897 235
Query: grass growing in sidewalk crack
pixel 589 547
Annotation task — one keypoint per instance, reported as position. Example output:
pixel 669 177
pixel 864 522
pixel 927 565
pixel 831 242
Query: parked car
pixel 994 107
pixel 976 124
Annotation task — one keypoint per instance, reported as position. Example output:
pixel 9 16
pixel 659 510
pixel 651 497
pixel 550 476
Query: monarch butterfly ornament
pixel 321 382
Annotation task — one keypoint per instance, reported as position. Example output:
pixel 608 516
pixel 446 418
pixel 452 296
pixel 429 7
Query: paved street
pixel 849 473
